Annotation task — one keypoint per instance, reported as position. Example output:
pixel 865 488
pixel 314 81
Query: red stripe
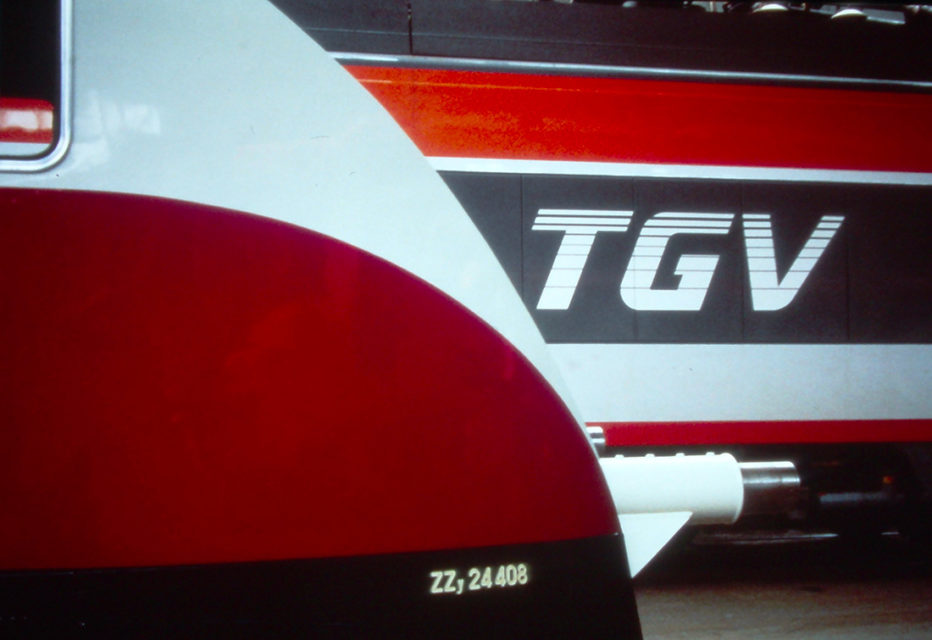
pixel 520 116
pixel 184 384
pixel 25 120
pixel 657 434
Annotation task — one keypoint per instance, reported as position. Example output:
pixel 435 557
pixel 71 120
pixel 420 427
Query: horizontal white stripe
pixel 563 222
pixel 609 222
pixel 599 213
pixel 563 278
pixel 573 261
pixel 683 226
pixel 578 230
pixel 647 240
pixel 644 170
pixel 694 382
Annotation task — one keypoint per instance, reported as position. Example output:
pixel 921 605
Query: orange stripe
pixel 521 116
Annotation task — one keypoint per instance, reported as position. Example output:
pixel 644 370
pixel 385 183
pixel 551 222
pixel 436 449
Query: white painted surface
pixel 230 104
pixel 694 382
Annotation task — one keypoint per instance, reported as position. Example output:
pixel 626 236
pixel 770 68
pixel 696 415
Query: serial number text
pixel 503 576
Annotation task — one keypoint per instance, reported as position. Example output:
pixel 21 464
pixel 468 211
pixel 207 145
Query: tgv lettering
pixel 695 271
pixel 768 291
pixel 579 230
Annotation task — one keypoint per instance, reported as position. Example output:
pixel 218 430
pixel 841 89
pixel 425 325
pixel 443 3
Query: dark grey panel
pixel 364 26
pixel 870 282
pixel 552 32
pixel 819 310
pixel 494 204
pixel 891 266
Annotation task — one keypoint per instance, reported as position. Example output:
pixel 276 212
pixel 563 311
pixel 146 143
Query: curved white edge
pixel 54 155
pixel 707 382
pixel 233 105
pixel 646 170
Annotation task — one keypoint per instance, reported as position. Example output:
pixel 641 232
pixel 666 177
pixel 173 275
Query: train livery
pixel 307 304
pixel 261 375
pixel 716 213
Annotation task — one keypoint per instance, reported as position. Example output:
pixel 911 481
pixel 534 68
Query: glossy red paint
pixel 764 432
pixel 25 120
pixel 184 384
pixel 474 114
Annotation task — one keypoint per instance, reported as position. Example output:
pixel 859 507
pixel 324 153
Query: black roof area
pixel 710 36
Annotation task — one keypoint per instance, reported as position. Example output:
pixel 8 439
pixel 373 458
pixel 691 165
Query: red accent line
pixel 519 116
pixel 26 120
pixel 657 434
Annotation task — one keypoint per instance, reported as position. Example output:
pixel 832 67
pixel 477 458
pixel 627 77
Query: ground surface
pixel 815 589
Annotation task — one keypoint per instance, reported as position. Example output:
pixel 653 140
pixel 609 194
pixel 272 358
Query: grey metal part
pixel 771 488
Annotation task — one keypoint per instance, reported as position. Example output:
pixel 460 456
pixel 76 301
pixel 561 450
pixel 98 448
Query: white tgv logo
pixel 768 291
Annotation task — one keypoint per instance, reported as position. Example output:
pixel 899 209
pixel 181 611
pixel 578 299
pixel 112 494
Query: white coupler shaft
pixel 655 496
pixel 710 487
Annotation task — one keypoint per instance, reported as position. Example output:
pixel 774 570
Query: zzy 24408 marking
pixel 449 582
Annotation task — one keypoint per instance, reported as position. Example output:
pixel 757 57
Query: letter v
pixel 767 292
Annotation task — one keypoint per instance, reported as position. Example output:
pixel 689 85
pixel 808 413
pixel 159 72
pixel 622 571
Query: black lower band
pixel 576 588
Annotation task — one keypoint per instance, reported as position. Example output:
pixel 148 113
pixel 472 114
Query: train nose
pixel 220 424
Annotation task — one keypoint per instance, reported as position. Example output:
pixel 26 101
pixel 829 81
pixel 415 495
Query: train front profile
pixel 261 375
